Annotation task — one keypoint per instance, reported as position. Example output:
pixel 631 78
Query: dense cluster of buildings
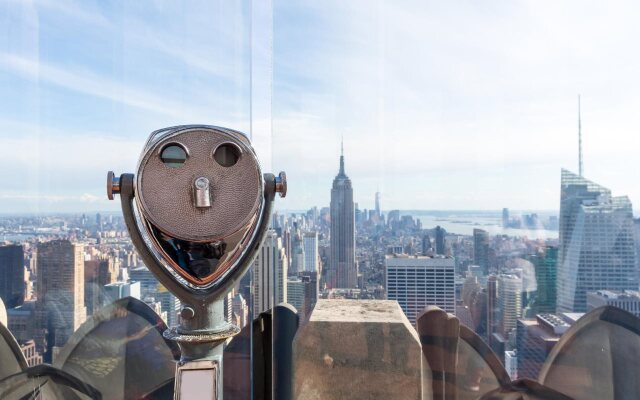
pixel 56 270
pixel 519 294
pixel 594 263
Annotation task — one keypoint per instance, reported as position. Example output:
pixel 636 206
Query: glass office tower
pixel 596 242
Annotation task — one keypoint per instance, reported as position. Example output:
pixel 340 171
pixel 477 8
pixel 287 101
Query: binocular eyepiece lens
pixel 173 156
pixel 227 155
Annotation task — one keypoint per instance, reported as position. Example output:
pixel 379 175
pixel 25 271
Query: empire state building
pixel 343 273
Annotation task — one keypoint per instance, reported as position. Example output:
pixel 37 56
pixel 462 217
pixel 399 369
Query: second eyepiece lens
pixel 227 155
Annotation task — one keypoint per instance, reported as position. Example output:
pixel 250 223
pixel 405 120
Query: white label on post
pixel 196 383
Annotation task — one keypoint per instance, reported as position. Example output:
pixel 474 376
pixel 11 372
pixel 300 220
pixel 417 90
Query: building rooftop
pixel 24 309
pixel 571 318
pixel 119 284
pixel 540 330
pixel 554 322
pixel 550 326
pixel 357 311
pixel 617 294
pixel 418 257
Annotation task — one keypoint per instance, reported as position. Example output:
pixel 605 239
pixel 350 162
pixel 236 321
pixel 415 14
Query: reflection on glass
pixel 197 259
pixel 173 156
pixel 227 155
pixel 439 141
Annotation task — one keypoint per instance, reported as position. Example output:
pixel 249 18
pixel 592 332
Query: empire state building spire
pixel 341 173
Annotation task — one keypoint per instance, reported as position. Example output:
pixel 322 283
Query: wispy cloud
pixel 74 10
pixel 91 84
pixel 47 169
pixel 441 104
pixel 136 23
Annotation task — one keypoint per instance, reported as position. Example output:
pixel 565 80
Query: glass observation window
pixel 457 216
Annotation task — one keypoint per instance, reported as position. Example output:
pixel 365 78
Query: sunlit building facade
pixel 60 308
pixel 481 249
pixel 440 242
pixel 343 272
pixel 596 242
pixel 310 244
pixel 270 274
pixel 545 262
pixel 509 302
pixel 418 281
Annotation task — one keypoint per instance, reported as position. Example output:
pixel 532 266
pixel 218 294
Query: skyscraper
pixel 596 243
pixel 343 273
pixel 544 262
pixel 536 338
pixel 636 227
pixel 295 293
pixel 60 307
pixel 287 242
pixel 360 215
pixel 270 290
pixel 12 286
pixel 481 249
pixel 474 300
pixel 22 322
pixel 493 310
pixel 240 310
pixel 426 245
pixel 629 300
pixel 378 211
pixel 511 363
pixel 148 282
pixel 119 290
pixel 302 293
pixel 393 218
pixel 311 291
pixel 440 244
pixel 418 281
pixel 310 244
pixel 298 257
pixel 170 305
pixel 509 302
pixel 97 274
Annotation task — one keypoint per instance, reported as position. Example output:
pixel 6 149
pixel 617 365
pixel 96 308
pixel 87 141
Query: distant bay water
pixel 17 237
pixel 463 222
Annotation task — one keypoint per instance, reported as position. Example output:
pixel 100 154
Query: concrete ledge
pixel 357 349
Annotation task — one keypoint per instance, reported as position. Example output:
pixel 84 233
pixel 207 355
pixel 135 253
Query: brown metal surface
pixel 166 195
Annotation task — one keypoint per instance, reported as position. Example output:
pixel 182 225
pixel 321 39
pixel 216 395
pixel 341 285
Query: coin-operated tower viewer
pixel 197 211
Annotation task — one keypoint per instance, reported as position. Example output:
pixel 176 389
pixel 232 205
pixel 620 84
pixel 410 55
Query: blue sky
pixel 442 105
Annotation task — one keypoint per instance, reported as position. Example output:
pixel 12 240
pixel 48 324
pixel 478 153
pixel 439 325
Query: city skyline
pixel 458 181
pixel 496 284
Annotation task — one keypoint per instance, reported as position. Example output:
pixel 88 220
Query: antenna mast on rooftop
pixel 579 140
